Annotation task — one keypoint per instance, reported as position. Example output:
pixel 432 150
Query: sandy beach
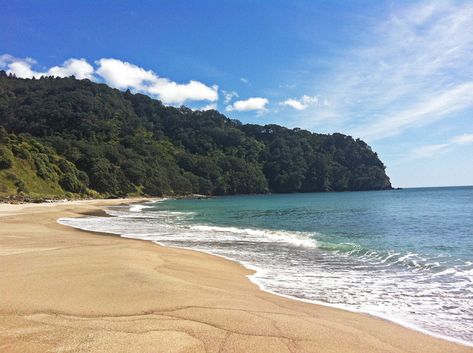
pixel 66 290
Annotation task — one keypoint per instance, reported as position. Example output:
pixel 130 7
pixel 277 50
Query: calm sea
pixel 404 255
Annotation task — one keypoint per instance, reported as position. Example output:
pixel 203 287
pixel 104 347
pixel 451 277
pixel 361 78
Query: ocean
pixel 403 255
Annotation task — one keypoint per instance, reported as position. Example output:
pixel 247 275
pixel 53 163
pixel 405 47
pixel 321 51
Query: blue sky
pixel 396 74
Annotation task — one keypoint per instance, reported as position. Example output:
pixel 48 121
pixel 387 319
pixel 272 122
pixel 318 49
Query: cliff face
pixel 62 135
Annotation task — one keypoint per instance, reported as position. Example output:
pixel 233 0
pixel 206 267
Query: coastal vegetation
pixel 63 137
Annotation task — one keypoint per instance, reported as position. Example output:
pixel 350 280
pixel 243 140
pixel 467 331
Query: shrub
pixel 4 138
pixel 41 161
pixel 83 177
pixel 69 182
pixel 6 158
pixel 21 151
pixel 9 175
pixel 20 186
pixel 66 166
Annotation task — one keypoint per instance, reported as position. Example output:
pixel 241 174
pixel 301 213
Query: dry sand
pixel 65 290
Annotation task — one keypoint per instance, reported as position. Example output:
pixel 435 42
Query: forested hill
pixel 62 136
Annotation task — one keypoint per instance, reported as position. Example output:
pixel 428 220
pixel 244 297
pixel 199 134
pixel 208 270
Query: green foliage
pixel 72 180
pixel 37 170
pixel 21 186
pixel 21 151
pixel 85 137
pixel 4 138
pixel 42 163
pixel 6 157
pixel 69 182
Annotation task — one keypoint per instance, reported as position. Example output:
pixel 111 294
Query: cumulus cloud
pixel 19 67
pixel 211 106
pixel 122 75
pixel 434 149
pixel 228 96
pixel 245 80
pixel 302 103
pixel 22 69
pixel 118 74
pixel 172 92
pixel 256 103
pixel 4 58
pixel 79 68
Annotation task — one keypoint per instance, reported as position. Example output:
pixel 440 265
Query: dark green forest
pixel 67 137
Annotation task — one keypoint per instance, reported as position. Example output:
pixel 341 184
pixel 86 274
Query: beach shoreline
pixel 69 290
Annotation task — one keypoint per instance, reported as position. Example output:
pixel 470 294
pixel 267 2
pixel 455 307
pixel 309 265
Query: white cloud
pixel 294 104
pixel 245 80
pixel 228 96
pixel 429 150
pixel 19 67
pixel 256 103
pixel 433 150
pixel 121 74
pixel 411 69
pixel 4 59
pixel 302 103
pixel 463 139
pixel 118 74
pixel 173 93
pixel 211 106
pixel 431 109
pixel 79 68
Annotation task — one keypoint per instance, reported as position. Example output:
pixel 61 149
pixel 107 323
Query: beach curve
pixel 72 291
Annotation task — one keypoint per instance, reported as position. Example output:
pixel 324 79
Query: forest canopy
pixel 63 136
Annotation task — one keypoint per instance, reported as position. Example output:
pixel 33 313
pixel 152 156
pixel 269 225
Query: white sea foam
pixel 139 208
pixel 247 234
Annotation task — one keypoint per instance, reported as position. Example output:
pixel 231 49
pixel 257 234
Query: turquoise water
pixel 405 255
pixel 432 221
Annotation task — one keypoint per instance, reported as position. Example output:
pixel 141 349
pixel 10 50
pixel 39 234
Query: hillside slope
pixel 95 140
